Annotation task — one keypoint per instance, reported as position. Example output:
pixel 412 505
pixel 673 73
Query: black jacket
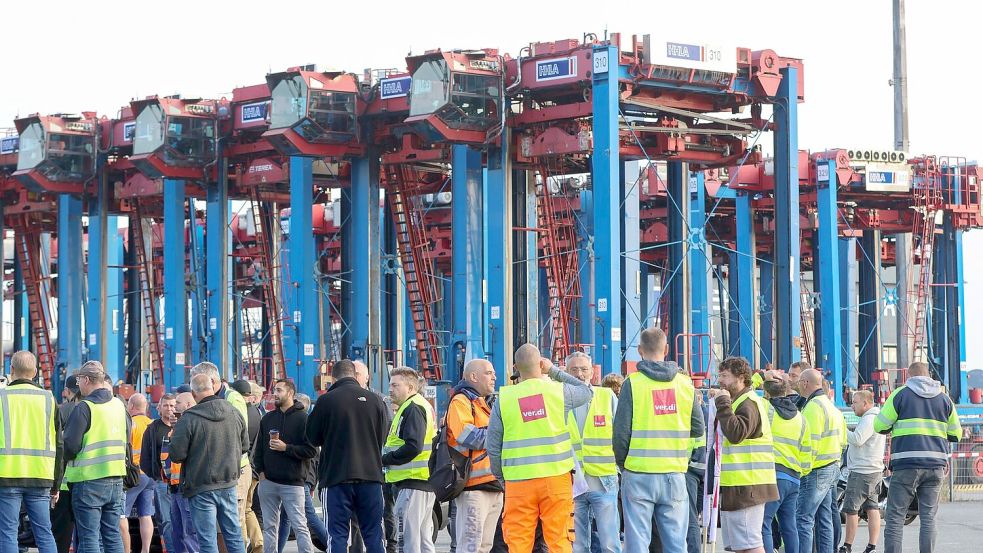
pixel 412 429
pixel 289 467
pixel 153 440
pixel 208 441
pixel 349 425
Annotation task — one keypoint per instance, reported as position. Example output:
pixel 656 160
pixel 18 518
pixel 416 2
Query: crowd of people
pixel 547 462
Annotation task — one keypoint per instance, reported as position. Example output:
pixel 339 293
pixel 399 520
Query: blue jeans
pixel 364 500
pixel 183 538
pixel 788 496
pixel 98 506
pixel 37 501
pixel 220 505
pixel 662 496
pixel 814 507
pixel 603 508
pixel 694 489
pixel 162 500
pixel 314 523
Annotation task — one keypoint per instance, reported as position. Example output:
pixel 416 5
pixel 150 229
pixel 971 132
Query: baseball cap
pixel 183 388
pixel 257 389
pixel 243 387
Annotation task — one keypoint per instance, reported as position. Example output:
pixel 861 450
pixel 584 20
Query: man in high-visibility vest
pixel 30 454
pixel 529 445
pixel 747 458
pixel 62 519
pixel 827 429
pixel 227 393
pixel 406 456
pixel 95 448
pixel 922 420
pixel 657 418
pixel 480 504
pixel 591 430
pixel 142 495
pixel 793 457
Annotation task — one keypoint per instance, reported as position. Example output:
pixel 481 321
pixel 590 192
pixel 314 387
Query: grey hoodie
pixel 661 371
pixel 925 386
pixel 208 441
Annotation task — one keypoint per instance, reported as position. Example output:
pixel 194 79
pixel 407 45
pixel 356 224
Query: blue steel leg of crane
pixel 673 278
pixel 175 296
pixel 466 257
pixel 585 265
pixel 606 169
pixel 848 313
pixel 632 316
pixel 364 262
pixel 199 330
pixel 69 282
pixel 742 278
pixel 114 292
pixel 217 277
pixel 957 339
pixel 22 337
pixel 497 203
pixel 647 295
pixel 828 262
pixel 454 353
pixel 766 312
pixel 698 254
pixel 103 293
pixel 787 256
pixel 949 345
pixel 868 327
pixel 300 346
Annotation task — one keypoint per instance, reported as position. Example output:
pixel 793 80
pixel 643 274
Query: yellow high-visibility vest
pixel 419 467
pixel 103 452
pixel 751 462
pixel 660 424
pixel 27 444
pixel 594 448
pixel 535 440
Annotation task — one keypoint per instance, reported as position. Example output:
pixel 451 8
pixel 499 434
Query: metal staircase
pixel 37 288
pixel 148 295
pixel 927 191
pixel 266 268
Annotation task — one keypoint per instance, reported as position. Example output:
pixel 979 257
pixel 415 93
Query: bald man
pixel 480 504
pixel 827 430
pixel 183 538
pixel 142 496
pixel 537 478
pixel 361 374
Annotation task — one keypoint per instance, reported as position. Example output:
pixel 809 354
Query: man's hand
pixel 262 476
pixel 545 365
pixel 54 498
pixel 278 445
pixel 718 392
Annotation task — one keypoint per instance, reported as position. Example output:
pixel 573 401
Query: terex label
pixel 600 420
pixel 664 402
pixel 532 408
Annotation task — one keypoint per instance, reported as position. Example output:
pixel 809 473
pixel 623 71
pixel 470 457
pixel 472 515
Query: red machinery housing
pixel 174 137
pixel 57 152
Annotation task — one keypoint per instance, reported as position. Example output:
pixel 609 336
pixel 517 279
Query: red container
pixel 976 395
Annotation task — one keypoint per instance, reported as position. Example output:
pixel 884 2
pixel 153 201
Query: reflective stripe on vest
pixel 751 462
pixel 825 422
pixel 789 436
pixel 419 467
pixel 594 448
pixel 103 452
pixel 28 451
pixel 535 440
pixel 660 425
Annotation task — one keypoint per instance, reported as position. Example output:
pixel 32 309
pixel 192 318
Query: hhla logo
pixel 664 402
pixel 532 408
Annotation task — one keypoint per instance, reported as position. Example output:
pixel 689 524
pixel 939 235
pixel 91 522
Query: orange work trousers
pixel 527 502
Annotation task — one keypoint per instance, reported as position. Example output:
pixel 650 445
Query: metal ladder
pixel 148 296
pixel 418 272
pixel 28 243
pixel 927 201
pixel 263 223
pixel 807 324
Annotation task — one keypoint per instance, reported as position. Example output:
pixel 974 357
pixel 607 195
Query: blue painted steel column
pixel 363 248
pixel 22 335
pixel 175 295
pixel 848 315
pixel 69 282
pixel 742 278
pixel 299 346
pixel 674 277
pixel 828 275
pixel 498 306
pixel 787 255
pixel 199 325
pixel 698 255
pixel 585 265
pixel 766 312
pixel 957 340
pixel 632 316
pixel 466 257
pixel 217 275
pixel 103 322
pixel 868 327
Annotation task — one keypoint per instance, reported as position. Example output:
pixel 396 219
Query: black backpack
pixel 449 469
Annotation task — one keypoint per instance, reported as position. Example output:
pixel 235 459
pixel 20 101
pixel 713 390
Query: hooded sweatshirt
pixel 661 371
pixel 920 398
pixel 865 454
pixel 786 408
pixel 208 441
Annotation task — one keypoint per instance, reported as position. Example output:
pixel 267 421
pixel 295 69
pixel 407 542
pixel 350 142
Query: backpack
pixel 449 469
